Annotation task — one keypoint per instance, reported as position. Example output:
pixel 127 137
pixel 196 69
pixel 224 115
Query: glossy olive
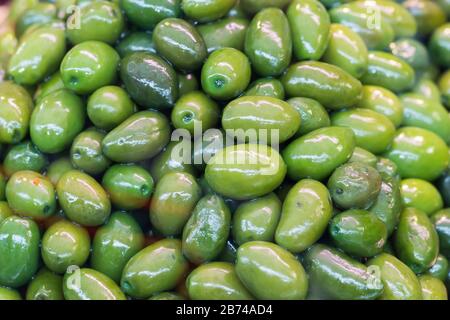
pixel 15 110
pixel 141 136
pixel 418 153
pixel 149 80
pixel 261 266
pixel 97 20
pixel 225 74
pixel 383 101
pixel 65 244
pixel 56 120
pixel 128 186
pixel 109 106
pixel 331 86
pixel 115 243
pixel 88 66
pixel 416 241
pixel 245 171
pixel 256 219
pixel 316 154
pixel 24 156
pixel 307 209
pixel 31 194
pixel 268 42
pixel 173 202
pixel 224 33
pixel 83 199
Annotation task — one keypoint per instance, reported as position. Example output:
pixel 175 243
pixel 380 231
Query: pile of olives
pixel 119 177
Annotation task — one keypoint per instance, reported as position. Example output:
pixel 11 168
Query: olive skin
pixel 386 70
pixel 439 269
pixel 19 251
pixel 428 15
pixel 135 42
pixel 347 50
pixel 376 31
pixel 83 199
pixel 158 267
pixel 216 281
pixel 443 185
pixel 173 158
pixel 38 55
pixel 338 276
pixel 206 232
pixel 173 202
pixel 441 222
pixel 15 111
pixel 147 13
pixel 416 241
pixel 109 106
pixel 412 52
pixel 5 211
pixel 115 243
pixel 429 89
pixel 167 296
pixel 9 294
pixel 305 158
pixel 149 80
pixel 402 22
pixel 312 114
pixel 400 283
pixel 141 136
pixel 56 120
pixel 195 107
pixel 206 10
pixel 31 194
pixel 180 43
pixel 418 153
pixel 306 211
pixel 444 87
pixel 38 15
pixel 49 85
pixel 245 171
pixel 225 74
pixel 24 156
pixel 262 113
pixel 358 233
pixel 254 6
pixel 427 114
pixel 65 244
pixel 389 204
pixel 88 66
pixel 354 185
pixel 57 168
pixel 383 101
pixel 331 86
pixel 261 266
pixel 187 83
pixel 256 220
pixel 46 285
pixel 310 27
pixel 86 152
pixel 364 156
pixel 224 33
pixel 433 288
pixel 268 42
pixel 89 284
pixel 373 131
pixel 98 20
pixel 422 195
pixel 268 87
pixel 128 186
